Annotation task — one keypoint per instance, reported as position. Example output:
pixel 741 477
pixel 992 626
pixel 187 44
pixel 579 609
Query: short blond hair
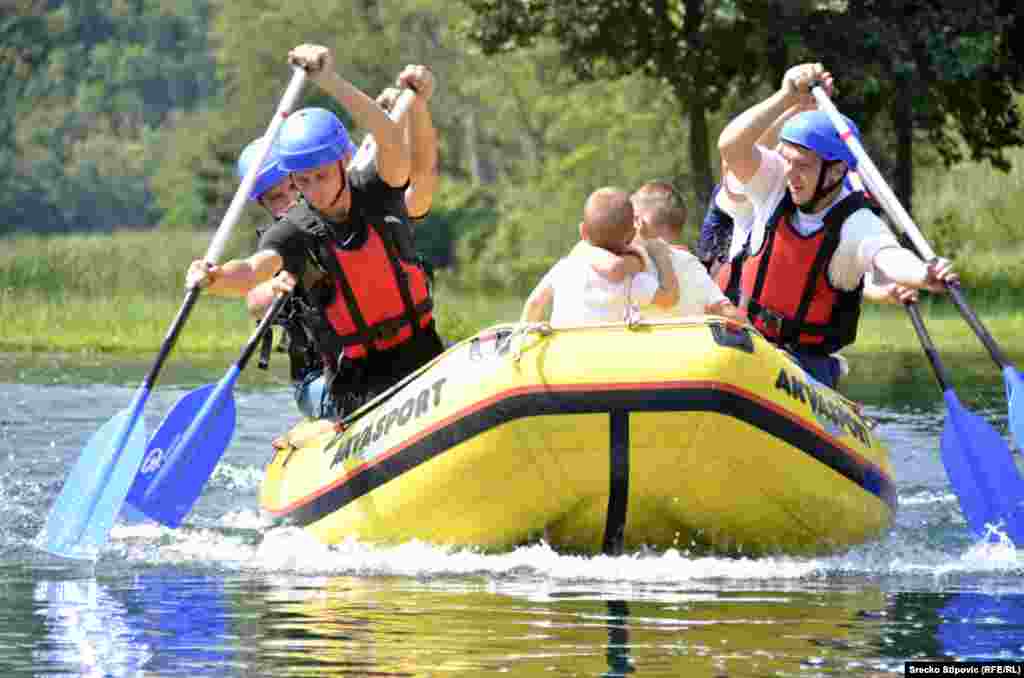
pixel 659 190
pixel 661 206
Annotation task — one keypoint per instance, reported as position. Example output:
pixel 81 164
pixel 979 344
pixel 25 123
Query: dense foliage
pixel 132 112
pixel 92 92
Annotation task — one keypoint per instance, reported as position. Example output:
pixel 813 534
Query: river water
pixel 229 594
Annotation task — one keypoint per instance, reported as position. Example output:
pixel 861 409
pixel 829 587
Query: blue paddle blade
pixel 80 520
pixel 184 451
pixel 164 440
pixel 1015 396
pixel 982 472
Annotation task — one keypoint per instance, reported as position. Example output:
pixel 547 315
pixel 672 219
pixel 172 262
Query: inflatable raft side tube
pixel 516 403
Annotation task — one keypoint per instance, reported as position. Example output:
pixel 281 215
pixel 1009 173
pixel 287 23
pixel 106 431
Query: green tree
pixel 929 69
pixel 371 45
pixel 99 80
pixel 23 48
pixel 698 48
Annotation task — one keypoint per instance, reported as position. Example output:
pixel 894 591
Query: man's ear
pixel 583 231
pixel 345 160
pixel 838 169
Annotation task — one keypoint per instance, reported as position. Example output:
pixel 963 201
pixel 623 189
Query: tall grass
pixel 118 292
pixel 974 214
pixel 125 263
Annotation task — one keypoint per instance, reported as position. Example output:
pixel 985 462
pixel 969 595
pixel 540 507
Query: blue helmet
pixel 814 130
pixel 312 137
pixel 269 174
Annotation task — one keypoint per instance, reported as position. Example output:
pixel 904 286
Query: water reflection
pixel 620 663
pixel 391 627
pixel 425 611
pixel 165 624
pixel 982 626
pixel 88 632
pixel 170 623
pixel 187 621
pixel 968 625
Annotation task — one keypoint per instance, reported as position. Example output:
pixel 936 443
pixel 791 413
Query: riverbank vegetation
pixel 123 122
pixel 97 293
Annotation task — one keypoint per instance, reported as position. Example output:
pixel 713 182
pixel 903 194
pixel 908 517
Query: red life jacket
pixel 784 286
pixel 381 294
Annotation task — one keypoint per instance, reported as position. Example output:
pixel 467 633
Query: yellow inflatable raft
pixel 694 434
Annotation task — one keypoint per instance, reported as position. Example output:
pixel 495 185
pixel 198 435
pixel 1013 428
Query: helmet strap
pixel 344 184
pixel 821 190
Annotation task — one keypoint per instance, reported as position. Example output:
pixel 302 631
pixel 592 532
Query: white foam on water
pixel 926 497
pixel 246 540
pixel 294 550
pixel 247 519
pixel 235 477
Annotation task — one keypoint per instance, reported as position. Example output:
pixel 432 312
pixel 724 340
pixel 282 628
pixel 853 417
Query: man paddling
pixel 347 244
pixel 306 366
pixel 813 239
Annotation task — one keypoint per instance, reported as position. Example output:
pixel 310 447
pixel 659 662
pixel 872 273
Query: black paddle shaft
pixel 941 374
pixel 972 319
pixel 261 329
pixel 172 337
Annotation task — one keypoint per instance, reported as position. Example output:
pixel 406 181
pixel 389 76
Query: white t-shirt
pixel 742 214
pixel 696 288
pixel 862 236
pixel 580 295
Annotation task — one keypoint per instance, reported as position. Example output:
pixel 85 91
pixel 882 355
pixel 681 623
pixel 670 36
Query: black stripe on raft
pixel 618 490
pixel 575 400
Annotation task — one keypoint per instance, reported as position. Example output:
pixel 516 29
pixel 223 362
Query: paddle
pixel 977 460
pixel 1013 378
pixel 80 519
pixel 190 440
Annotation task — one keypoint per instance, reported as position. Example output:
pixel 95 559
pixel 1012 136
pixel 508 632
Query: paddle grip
pixel 241 196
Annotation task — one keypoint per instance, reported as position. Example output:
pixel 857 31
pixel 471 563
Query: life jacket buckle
pixel 771 320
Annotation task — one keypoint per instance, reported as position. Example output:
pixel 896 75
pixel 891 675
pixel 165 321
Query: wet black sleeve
pixel 374 191
pixel 290 242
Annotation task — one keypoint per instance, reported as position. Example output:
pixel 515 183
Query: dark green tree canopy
pixel 947 62
pixel 700 49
